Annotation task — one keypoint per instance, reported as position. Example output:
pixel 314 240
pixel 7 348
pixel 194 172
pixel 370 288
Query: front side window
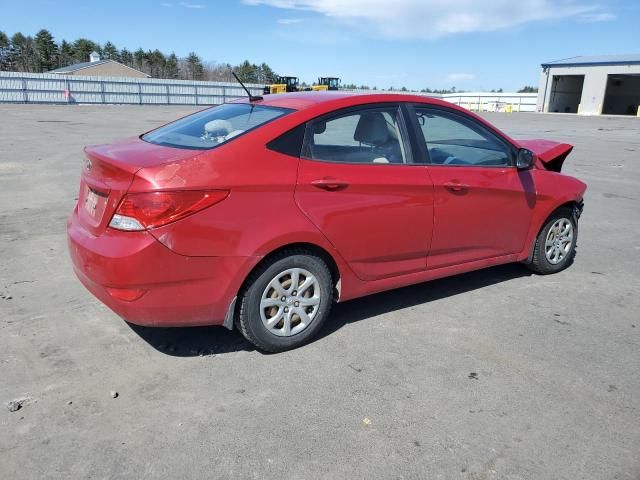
pixel 214 126
pixel 454 140
pixel 371 135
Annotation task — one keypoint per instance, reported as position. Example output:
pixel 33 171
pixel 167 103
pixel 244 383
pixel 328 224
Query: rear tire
pixel 285 301
pixel 555 246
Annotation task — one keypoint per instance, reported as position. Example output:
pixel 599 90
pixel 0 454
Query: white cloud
pixel 460 77
pixel 191 5
pixel 166 4
pixel 596 17
pixel 437 18
pixel 289 21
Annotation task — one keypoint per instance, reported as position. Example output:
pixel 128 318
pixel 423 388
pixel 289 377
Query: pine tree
pixel 195 69
pixel 139 60
pixel 156 62
pixel 109 51
pixel 126 57
pixel 171 67
pixel 247 72
pixel 4 40
pixel 65 55
pixel 267 75
pixel 46 51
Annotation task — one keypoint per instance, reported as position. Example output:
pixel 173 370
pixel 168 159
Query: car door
pixel 358 185
pixel 483 202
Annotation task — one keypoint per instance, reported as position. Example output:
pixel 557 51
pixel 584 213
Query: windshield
pixel 214 126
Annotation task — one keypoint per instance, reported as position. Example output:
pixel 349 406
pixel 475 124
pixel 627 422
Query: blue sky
pixel 470 44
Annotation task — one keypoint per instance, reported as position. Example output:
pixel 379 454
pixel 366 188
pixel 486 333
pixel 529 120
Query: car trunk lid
pixel 108 172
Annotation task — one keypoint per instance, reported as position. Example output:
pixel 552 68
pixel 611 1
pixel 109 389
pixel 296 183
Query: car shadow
pixel 363 308
pixel 193 341
pixel 209 341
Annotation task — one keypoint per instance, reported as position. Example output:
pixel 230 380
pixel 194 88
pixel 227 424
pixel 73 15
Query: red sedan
pixel 261 213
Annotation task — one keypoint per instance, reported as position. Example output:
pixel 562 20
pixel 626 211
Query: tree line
pixel 41 53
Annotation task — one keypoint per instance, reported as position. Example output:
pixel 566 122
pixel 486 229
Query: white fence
pixel 17 87
pixel 493 102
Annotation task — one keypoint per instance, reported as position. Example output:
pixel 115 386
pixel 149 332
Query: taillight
pixel 141 211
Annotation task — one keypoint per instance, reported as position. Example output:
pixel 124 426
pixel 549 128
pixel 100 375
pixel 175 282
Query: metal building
pixel 608 84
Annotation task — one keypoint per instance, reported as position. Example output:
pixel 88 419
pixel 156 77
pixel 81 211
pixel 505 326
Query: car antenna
pixel 252 98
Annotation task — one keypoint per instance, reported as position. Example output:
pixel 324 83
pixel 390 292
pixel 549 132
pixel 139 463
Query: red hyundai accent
pixel 260 214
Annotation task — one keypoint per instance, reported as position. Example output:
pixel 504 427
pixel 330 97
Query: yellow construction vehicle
pixel 283 85
pixel 326 83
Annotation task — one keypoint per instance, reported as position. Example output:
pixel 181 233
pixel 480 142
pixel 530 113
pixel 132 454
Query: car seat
pixel 374 130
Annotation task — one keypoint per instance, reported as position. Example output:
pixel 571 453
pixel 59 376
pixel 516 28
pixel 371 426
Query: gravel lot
pixel 386 392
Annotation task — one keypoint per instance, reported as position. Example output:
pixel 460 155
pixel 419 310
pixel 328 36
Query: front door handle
pixel 456 186
pixel 330 184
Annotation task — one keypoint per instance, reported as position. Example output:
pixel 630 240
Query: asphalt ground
pixel 492 374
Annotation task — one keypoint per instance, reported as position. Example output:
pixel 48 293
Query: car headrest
pixel 319 127
pixel 218 127
pixel 372 129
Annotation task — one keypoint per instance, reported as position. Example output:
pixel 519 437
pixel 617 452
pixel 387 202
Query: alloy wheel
pixel 290 302
pixel 559 241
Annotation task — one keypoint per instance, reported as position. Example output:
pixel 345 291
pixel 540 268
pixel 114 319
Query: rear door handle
pixel 456 186
pixel 330 184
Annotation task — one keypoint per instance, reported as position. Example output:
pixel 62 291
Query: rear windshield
pixel 214 126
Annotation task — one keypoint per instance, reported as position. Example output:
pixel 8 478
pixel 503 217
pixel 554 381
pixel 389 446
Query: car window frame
pixel 465 120
pixel 405 132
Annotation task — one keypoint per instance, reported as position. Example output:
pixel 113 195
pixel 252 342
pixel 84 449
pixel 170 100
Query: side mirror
pixel 525 159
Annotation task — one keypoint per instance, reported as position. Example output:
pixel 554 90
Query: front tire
pixel 285 301
pixel 555 245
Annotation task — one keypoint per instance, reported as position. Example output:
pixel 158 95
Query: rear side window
pixel 289 143
pixel 214 126
pixel 367 135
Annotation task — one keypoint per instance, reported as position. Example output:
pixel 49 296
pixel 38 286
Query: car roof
pixel 304 100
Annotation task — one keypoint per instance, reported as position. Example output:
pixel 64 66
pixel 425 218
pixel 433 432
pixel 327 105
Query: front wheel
pixel 286 301
pixel 556 243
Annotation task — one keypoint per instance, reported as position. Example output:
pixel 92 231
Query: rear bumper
pixel 177 290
